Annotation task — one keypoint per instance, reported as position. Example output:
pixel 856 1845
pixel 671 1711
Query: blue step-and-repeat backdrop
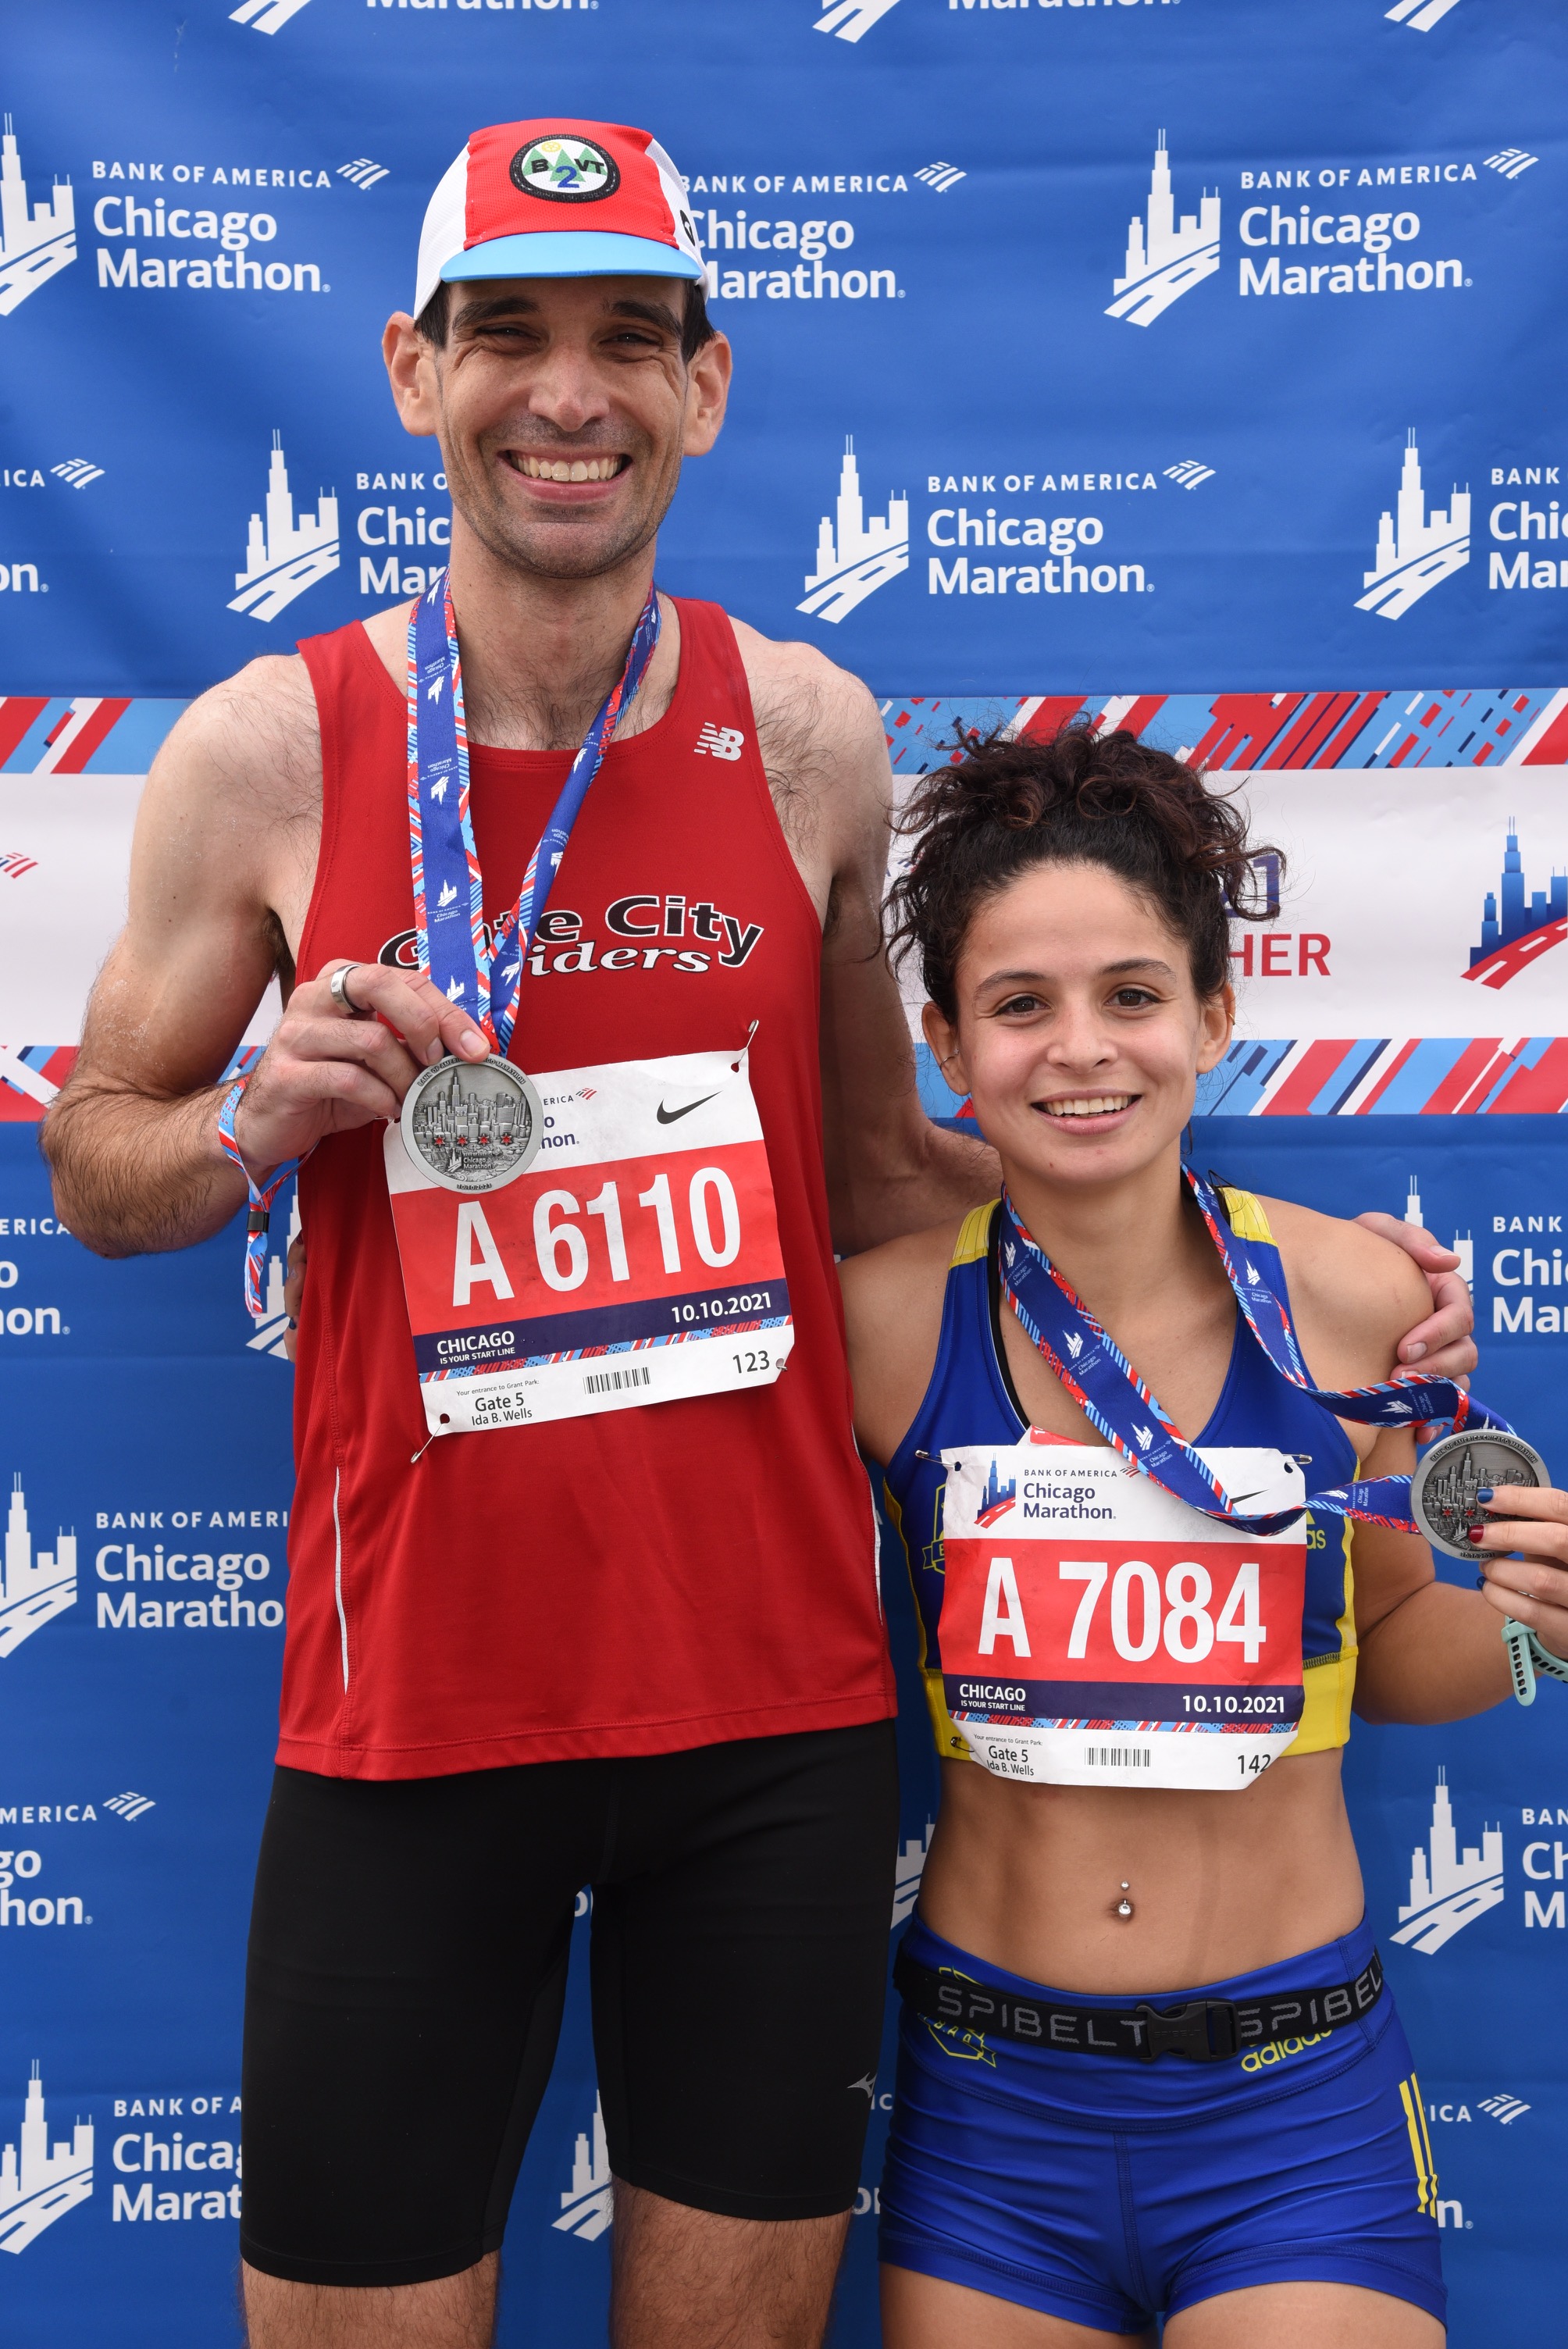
pixel 1193 364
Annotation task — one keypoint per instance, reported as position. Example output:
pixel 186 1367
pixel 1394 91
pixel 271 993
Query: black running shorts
pixel 408 1966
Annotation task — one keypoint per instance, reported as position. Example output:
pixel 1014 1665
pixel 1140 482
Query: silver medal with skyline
pixel 472 1126
pixel 1444 1487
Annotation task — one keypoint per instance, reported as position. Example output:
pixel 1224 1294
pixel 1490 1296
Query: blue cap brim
pixel 569 253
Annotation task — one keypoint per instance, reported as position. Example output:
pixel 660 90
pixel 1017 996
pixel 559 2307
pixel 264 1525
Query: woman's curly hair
pixel 1001 807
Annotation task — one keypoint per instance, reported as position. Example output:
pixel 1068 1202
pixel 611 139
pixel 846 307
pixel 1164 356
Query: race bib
pixel 1096 1631
pixel 636 1260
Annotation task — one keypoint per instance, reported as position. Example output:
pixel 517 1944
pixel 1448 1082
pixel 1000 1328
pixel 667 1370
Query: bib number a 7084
pixel 1144 1616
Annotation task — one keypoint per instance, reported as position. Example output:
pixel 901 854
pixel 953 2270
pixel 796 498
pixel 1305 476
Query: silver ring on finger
pixel 337 988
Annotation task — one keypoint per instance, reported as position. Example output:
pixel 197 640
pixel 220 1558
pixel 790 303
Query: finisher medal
pixel 1444 1487
pixel 472 1126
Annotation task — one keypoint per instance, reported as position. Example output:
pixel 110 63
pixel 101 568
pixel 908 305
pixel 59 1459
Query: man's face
pixel 563 410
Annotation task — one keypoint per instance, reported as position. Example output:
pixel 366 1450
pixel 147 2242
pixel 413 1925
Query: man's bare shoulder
pixel 252 740
pixel 805 700
pixel 1360 1292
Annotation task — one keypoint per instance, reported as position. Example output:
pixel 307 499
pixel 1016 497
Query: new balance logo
pixel 588 2206
pixel 1189 472
pixel 720 742
pixel 362 171
pixel 78 473
pixel 852 20
pixel 130 1806
pixel 265 15
pixel 1510 161
pixel 941 176
pixel 1419 16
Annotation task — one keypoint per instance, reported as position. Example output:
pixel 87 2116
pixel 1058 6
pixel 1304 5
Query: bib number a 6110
pixel 636 1260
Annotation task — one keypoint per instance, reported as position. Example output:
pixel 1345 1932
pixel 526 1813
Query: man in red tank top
pixel 611 1619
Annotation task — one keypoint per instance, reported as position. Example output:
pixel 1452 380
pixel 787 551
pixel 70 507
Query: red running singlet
pixel 631 1583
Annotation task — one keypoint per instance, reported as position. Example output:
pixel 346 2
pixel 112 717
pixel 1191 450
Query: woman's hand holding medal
pixel 342 1061
pixel 1532 1587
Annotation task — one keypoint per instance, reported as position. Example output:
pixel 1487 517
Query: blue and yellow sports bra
pixel 971 1403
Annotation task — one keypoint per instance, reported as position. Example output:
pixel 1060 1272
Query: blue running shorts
pixel 1106 2190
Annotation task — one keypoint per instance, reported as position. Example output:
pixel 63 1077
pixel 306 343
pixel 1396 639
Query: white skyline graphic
pixel 852 19
pixel 40 2186
pixel 1416 551
pixel 33 1590
pixel 588 2207
pixel 910 1868
pixel 860 555
pixel 270 1334
pixel 1166 257
pixel 37 241
pixel 1450 1889
pixel 266 15
pixel 1419 16
pixel 1463 1243
pixel 283 557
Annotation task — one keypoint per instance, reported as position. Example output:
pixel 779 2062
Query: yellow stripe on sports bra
pixel 973 1237
pixel 1248 1220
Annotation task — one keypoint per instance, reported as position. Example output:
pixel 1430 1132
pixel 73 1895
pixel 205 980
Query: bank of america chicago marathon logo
pixel 1166 256
pixel 1415 550
pixel 1517 930
pixel 35 1584
pixel 38 2186
pixel 588 2204
pixel 37 240
pixel 856 553
pixel 1450 1887
pixel 285 556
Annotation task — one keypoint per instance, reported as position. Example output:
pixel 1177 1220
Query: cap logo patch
pixel 565 169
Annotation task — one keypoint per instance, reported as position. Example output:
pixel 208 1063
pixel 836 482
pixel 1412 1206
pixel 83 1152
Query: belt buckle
pixel 1191 2031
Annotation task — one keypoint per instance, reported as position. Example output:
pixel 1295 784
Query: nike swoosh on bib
pixel 668 1116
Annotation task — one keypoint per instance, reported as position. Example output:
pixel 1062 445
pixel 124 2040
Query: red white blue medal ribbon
pixel 259 1219
pixel 449 885
pixel 1116 1400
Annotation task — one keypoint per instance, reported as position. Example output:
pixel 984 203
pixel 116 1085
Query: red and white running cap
pixel 556 198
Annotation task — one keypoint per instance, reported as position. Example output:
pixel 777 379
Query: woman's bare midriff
pixel 1030 1878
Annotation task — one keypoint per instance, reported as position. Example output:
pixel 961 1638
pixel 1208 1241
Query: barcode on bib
pixel 1118 1757
pixel 612 1381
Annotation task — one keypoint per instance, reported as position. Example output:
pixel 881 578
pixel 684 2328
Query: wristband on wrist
pixel 258 1220
pixel 1527 1658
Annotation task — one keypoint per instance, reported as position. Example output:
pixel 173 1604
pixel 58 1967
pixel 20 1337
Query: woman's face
pixel 1079 1036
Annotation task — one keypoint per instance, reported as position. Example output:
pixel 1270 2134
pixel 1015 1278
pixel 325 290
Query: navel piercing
pixel 1124 1905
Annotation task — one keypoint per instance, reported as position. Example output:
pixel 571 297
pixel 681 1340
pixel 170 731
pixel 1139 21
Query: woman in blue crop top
pixel 1148 2068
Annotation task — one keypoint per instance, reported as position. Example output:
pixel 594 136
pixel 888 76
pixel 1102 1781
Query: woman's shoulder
pixel 1354 1295
pixel 892 1311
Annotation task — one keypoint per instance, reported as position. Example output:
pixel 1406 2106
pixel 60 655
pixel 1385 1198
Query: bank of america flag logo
pixel 364 172
pixel 1189 473
pixel 852 20
pixel 37 241
pixel 1510 161
pixel 1449 1888
pixel 266 15
pixel 588 2205
pixel 1166 257
pixel 130 1806
pixel 856 554
pixel 1419 16
pixel 1416 551
pixel 283 557
pixel 941 176
pixel 76 472
pixel 38 2187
